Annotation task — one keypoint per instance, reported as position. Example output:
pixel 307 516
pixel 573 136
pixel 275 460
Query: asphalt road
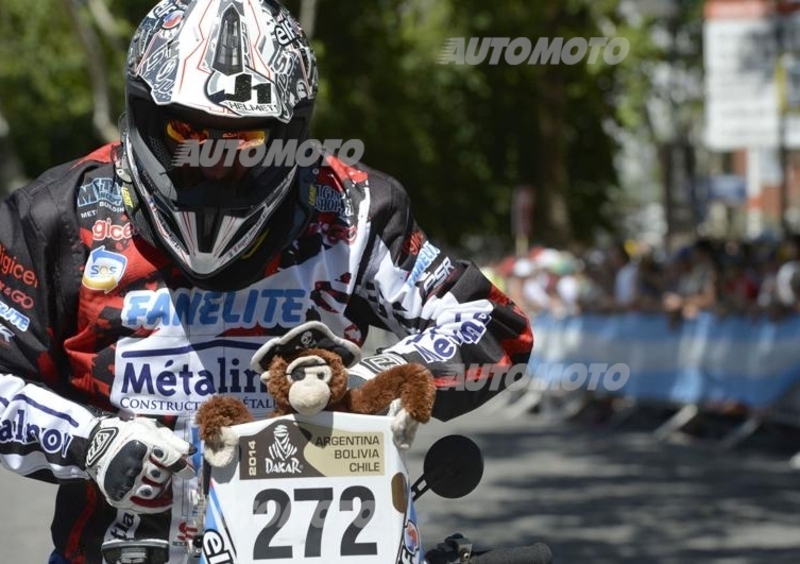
pixel 594 497
pixel 620 497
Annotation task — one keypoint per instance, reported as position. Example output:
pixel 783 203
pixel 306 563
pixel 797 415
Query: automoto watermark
pixel 556 377
pixel 226 152
pixel 520 50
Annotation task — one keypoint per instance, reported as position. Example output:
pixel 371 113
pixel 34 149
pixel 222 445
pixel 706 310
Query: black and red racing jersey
pixel 92 317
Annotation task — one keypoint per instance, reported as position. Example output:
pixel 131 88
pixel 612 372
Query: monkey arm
pixel 412 383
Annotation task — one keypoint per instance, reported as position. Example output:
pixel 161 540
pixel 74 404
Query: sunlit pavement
pixel 617 497
pixel 594 497
pixel 26 507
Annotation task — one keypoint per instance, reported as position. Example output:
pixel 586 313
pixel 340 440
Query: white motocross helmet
pixel 214 71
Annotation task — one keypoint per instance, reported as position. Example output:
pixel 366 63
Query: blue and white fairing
pixel 328 488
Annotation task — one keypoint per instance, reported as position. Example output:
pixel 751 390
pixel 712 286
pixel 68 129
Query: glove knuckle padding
pixel 124 470
pixel 133 461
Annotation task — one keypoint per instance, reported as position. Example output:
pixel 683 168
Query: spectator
pixel 649 284
pixel 720 276
pixel 738 288
pixel 787 280
pixel 593 285
pixel 696 285
pixel 625 277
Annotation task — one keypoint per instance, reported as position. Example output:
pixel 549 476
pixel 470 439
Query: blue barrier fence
pixel 704 360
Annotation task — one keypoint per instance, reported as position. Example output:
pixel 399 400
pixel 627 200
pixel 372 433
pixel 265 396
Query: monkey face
pixel 309 380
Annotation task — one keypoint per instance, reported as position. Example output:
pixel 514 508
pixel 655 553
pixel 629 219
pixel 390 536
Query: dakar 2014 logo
pixel 282 453
pixel 277 451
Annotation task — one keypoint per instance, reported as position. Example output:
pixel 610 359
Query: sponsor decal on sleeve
pixel 18 429
pixel 124 526
pixel 104 270
pixel 432 279
pixel 427 254
pixel 325 198
pixel 441 343
pixel 6 334
pixel 412 245
pixel 103 192
pixel 14 317
pixel 380 362
pixel 10 266
pixel 105 229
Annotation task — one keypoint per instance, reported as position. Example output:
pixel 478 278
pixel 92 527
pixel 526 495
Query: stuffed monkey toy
pixel 305 371
pixel 314 380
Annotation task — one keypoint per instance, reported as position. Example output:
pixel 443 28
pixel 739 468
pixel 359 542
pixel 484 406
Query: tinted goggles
pixel 180 131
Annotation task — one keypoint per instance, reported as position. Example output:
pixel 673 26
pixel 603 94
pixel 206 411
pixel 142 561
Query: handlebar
pixel 458 549
pixel 538 553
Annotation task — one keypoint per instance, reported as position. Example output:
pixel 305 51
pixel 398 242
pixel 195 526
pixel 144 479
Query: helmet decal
pixel 228 52
pixel 241 89
pixel 235 58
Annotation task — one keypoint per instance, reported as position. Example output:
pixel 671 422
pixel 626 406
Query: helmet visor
pixel 179 131
pixel 212 163
pixel 198 161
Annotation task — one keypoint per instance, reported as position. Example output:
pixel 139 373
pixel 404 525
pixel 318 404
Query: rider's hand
pixel 133 463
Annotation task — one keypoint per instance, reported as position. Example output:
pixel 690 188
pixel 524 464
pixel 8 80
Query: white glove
pixel 133 463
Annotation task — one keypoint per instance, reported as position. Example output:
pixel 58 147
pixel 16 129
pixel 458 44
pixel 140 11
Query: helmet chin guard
pixel 203 71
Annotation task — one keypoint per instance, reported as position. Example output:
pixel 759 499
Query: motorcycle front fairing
pixel 327 488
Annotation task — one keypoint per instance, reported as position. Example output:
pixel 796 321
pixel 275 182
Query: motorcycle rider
pixel 131 288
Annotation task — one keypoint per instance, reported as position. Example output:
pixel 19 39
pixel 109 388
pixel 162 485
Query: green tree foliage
pixel 459 137
pixel 42 83
pixel 45 90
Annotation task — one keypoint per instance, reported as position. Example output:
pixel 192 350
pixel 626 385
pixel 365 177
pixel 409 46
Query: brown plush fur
pixel 412 383
pixel 218 412
pixel 278 384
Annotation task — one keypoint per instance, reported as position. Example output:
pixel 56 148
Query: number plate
pixel 332 488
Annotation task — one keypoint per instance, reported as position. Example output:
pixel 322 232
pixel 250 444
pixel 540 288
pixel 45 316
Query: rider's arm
pixel 45 432
pixel 448 315
pixel 42 434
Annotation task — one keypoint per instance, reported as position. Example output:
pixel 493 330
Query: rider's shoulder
pixel 358 173
pixel 60 182
pixel 385 191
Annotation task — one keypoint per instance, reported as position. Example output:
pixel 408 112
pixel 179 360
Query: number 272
pixel 263 550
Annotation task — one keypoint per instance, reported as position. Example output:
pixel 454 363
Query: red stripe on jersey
pixel 72 549
pixel 101 155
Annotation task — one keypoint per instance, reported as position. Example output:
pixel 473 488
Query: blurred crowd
pixel 725 277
